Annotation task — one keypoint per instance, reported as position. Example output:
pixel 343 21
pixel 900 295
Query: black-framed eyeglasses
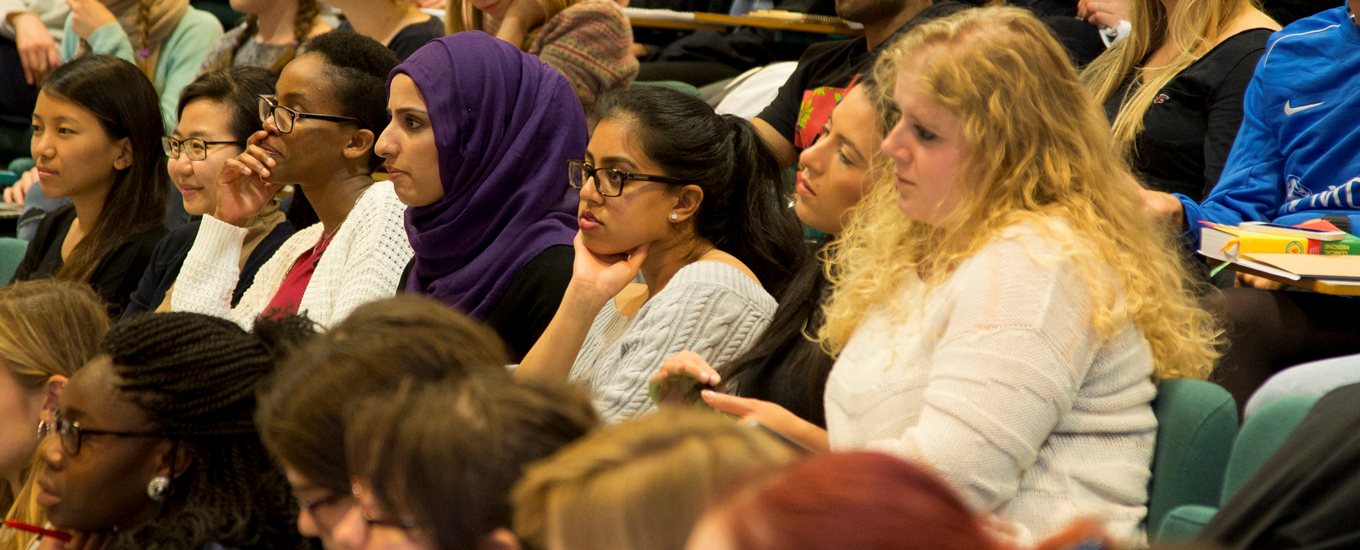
pixel 195 148
pixel 328 511
pixel 609 181
pixel 285 118
pixel 71 433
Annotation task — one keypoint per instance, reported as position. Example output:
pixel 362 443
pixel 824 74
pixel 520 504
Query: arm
pixel 779 145
pixel 777 122
pixel 1224 118
pixel 595 280
pixel 117 276
pixel 210 272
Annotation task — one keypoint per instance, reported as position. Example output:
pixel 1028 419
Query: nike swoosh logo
pixel 1291 111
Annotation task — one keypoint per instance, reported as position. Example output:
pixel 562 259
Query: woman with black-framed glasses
pixel 153 443
pixel 318 134
pixel 217 113
pixel 690 200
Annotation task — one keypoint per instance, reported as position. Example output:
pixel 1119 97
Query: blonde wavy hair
pixel 1039 151
pixel 47 328
pixel 1197 24
pixel 641 484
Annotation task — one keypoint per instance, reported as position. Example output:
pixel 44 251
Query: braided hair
pixel 144 39
pixel 195 376
pixel 304 21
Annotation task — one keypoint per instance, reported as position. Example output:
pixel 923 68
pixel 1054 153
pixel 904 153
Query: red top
pixel 289 296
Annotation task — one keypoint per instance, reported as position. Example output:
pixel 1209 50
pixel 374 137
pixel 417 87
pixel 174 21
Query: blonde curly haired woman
pixel 1001 309
pixel 1173 90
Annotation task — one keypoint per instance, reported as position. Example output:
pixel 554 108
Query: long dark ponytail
pixel 744 212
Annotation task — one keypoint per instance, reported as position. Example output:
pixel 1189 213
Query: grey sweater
pixel 709 308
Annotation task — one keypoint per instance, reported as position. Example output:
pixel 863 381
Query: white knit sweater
pixel 998 381
pixel 709 308
pixel 362 263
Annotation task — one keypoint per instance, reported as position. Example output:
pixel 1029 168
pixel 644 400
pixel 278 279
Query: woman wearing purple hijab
pixel 492 229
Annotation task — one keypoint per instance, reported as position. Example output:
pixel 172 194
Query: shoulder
pixel 427 29
pixel 715 278
pixel 1023 254
pixel 591 10
pixel 379 197
pixel 54 225
pixel 1308 37
pixel 198 20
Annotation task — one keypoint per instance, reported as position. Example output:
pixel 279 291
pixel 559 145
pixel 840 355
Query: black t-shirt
pixel 1189 129
pixel 411 37
pixel 113 279
pixel 804 102
pixel 531 300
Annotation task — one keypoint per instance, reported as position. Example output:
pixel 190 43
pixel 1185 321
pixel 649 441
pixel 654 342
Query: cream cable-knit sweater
pixel 1002 386
pixel 362 263
pixel 709 308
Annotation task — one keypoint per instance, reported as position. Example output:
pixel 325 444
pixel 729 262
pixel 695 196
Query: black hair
pixel 137 201
pixel 785 366
pixel 238 89
pixel 358 67
pixel 744 212
pixel 195 377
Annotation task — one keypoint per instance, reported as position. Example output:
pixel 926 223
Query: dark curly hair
pixel 194 376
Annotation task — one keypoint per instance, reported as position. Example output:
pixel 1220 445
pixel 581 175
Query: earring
pixel 157 488
pixel 675 217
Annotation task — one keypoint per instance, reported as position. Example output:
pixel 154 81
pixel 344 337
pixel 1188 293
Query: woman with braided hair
pixel 154 443
pixel 272 35
pixel 166 39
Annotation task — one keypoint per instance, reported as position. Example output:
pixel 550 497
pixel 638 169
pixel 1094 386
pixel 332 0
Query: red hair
pixel 861 500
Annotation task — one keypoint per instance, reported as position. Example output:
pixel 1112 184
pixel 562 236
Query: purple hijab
pixel 505 125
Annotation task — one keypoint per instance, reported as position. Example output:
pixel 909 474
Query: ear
pixel 360 145
pixel 500 539
pixel 52 391
pixel 173 455
pixel 687 201
pixel 124 159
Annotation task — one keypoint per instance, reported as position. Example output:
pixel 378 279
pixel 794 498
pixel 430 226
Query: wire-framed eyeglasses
pixel 194 148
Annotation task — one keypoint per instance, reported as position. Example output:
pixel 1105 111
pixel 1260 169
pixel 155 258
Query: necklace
pixel 321 246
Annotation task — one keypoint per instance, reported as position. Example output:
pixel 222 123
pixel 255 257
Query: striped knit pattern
pixel 589 44
pixel 709 308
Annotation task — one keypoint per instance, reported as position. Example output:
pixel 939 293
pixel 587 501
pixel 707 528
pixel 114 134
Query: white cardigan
pixel 362 263
pixel 997 380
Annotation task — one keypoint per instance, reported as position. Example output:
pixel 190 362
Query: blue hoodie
pixel 1297 155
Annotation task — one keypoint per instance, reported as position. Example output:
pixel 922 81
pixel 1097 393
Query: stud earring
pixel 157 488
pixel 675 217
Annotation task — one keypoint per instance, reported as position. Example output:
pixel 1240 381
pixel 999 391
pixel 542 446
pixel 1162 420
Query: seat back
pixel 11 253
pixel 1196 424
pixel 1261 435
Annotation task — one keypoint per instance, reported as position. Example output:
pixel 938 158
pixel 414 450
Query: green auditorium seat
pixel 1196 423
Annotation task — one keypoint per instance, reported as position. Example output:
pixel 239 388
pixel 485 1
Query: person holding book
pixel 1294 160
pixel 1001 312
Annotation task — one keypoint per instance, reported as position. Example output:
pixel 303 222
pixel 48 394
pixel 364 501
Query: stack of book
pixel 1314 251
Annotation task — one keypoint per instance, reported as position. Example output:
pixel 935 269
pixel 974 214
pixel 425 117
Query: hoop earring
pixel 157 488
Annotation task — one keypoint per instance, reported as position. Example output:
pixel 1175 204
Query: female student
pixel 588 41
pixel 318 135
pixel 491 232
pixel 217 113
pixel 154 445
pixel 440 459
pixel 1173 90
pixel 398 24
pixel 272 35
pixel 166 39
pixel 1000 312
pixel 94 148
pixel 785 366
pixel 48 329
pixel 304 414
pixel 690 200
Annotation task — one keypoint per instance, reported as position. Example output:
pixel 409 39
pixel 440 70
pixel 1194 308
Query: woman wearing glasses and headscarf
pixel 318 136
pixel 217 114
